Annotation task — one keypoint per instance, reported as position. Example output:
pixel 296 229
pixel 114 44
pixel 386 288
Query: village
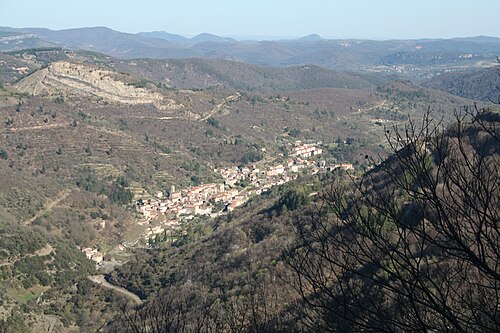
pixel 214 199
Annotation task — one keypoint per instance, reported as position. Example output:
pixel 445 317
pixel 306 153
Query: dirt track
pixel 219 107
pixel 48 207
pixel 99 279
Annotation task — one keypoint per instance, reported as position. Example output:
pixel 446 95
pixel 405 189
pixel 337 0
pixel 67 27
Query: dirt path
pixel 44 251
pixel 99 279
pixel 377 105
pixel 219 106
pixel 48 207
pixel 33 128
pixel 152 118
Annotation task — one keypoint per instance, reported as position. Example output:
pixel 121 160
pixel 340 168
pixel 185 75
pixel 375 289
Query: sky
pixel 370 19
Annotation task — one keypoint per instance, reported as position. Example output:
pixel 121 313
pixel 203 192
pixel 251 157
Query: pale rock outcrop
pixel 83 79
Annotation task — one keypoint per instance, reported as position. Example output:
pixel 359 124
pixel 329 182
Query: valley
pixel 180 177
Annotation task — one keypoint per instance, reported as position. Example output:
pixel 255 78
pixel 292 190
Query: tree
pixel 414 245
pixel 184 310
pixel 294 132
pixel 194 308
pixel 13 324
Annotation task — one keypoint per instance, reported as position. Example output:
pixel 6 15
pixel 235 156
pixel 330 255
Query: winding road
pixel 101 281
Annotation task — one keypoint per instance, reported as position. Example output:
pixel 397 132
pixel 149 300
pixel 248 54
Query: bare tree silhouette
pixel 414 244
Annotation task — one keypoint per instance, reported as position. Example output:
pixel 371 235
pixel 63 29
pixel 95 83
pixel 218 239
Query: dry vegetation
pixel 75 150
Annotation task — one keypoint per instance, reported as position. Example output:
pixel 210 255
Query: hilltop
pixel 416 59
pixel 207 73
pixel 165 35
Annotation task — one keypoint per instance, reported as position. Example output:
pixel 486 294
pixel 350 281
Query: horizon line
pixel 260 37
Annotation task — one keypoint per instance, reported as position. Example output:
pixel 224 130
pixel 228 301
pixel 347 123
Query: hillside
pixel 247 265
pixel 194 73
pixel 164 35
pixel 12 68
pixel 31 268
pixel 416 59
pixel 65 77
pixel 15 39
pixel 202 74
pixel 134 106
pixel 88 140
pixel 481 85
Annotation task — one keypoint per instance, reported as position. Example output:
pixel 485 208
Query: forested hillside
pixel 203 195
pixel 341 253
pixel 479 85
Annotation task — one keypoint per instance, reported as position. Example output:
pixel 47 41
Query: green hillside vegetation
pixel 277 269
pixel 77 155
pixel 480 85
pixel 32 260
pixel 238 240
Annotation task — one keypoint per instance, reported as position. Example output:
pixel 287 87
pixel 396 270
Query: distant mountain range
pixel 422 57
pixel 204 37
pixel 165 35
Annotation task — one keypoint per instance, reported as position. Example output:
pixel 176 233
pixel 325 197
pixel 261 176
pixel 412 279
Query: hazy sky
pixel 380 19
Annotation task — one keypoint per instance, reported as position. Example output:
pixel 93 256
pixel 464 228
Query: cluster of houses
pixel 197 200
pixel 186 204
pixel 160 230
pixel 239 184
pixel 255 180
pixel 305 150
pixel 214 199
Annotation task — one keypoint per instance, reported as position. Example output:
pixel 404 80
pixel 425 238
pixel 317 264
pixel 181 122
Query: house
pixel 98 258
pixel 157 230
pixel 197 209
pixel 175 196
pixel 191 209
pixel 305 150
pixel 236 202
pixel 93 254
pixel 276 170
pixel 345 166
pixel 231 181
pixel 205 210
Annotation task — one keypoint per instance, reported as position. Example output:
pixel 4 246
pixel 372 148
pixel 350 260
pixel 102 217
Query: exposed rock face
pixel 73 78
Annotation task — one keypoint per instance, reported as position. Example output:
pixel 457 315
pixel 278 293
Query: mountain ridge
pixel 419 57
